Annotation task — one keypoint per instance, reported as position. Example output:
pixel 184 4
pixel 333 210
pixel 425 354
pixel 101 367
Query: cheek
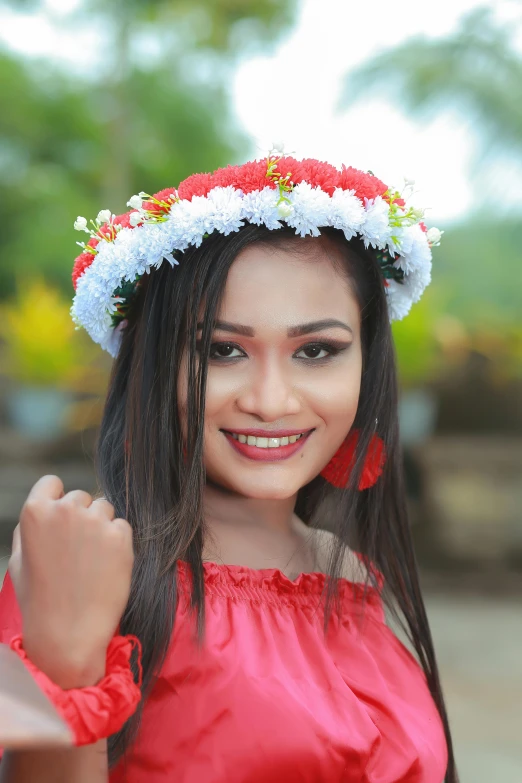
pixel 337 407
pixel 224 386
pixel 335 396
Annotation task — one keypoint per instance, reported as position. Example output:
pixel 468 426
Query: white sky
pixel 291 94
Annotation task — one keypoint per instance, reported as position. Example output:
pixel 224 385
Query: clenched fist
pixel 71 567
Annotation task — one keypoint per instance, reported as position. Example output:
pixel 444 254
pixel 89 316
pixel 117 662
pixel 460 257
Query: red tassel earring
pixel 338 470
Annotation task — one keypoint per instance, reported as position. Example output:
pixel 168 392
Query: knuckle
pixel 49 478
pixel 74 496
pixel 32 507
pixel 120 531
pixel 103 506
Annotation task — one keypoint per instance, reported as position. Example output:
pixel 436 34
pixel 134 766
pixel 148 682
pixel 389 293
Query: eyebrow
pixel 293 331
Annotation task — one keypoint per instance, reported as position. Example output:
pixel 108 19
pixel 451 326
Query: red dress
pixel 270 699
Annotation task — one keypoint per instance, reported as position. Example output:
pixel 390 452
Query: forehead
pixel 271 285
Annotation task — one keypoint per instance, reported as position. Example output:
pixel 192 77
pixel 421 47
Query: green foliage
pixel 477 274
pixel 479 263
pixel 475 70
pixel 40 344
pixel 418 351
pixel 70 147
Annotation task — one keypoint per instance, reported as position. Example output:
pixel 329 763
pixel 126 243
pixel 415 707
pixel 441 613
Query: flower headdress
pixel 304 194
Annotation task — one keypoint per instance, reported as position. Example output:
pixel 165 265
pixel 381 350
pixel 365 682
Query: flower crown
pixel 304 194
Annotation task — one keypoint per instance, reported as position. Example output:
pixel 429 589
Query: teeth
pixel 266 443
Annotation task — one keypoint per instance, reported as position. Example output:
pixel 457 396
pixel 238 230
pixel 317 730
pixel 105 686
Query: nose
pixel 270 393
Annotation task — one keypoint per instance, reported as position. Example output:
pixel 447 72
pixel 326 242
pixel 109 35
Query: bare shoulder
pixel 352 568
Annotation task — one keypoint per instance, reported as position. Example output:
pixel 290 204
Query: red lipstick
pixel 267 455
pixel 258 433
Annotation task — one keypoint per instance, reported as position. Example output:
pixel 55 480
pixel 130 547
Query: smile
pixel 265 448
pixel 266 443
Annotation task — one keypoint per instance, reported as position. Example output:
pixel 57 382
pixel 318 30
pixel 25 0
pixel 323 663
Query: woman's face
pixel 285 361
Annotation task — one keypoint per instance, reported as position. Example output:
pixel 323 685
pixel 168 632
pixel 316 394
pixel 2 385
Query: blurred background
pixel 101 100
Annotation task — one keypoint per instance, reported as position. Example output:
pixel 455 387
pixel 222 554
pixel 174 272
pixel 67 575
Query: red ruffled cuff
pixel 97 711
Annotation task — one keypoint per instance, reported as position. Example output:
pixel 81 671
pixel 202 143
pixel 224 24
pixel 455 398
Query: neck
pixel 256 533
pixel 224 507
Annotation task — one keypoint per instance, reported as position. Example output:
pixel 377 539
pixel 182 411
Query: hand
pixel 71 568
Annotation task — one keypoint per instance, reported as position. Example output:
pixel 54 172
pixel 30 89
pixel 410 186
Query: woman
pixel 250 438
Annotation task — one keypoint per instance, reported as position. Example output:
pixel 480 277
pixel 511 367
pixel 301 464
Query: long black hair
pixel 155 479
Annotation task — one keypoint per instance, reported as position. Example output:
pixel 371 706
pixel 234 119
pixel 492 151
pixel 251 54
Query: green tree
pixel 476 70
pixel 71 146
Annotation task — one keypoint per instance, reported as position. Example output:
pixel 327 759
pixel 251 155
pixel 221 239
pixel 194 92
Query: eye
pixel 317 351
pixel 225 351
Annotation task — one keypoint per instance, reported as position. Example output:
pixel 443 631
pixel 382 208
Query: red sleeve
pixel 10 617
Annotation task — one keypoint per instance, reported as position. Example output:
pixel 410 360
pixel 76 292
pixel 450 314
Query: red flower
pixel 400 202
pixel 221 178
pixel 290 165
pixel 123 220
pixel 162 195
pixel 81 263
pixel 365 185
pixel 252 176
pixel 195 185
pixel 105 230
pixel 338 470
pixel 319 174
pixel 423 226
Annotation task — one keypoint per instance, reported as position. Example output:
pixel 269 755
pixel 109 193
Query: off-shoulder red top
pixel 270 699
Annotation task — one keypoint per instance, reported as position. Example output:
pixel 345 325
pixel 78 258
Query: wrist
pixel 98 710
pixel 66 668
pixel 69 674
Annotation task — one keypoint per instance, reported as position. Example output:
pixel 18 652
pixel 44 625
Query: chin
pixel 262 490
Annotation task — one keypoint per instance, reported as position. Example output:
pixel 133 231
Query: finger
pixel 124 530
pixel 78 497
pixel 50 487
pixel 100 504
pixel 124 527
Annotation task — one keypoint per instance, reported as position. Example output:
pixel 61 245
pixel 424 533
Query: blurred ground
pixel 479 643
pixel 479 648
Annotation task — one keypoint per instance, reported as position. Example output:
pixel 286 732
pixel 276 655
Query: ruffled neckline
pixel 273 586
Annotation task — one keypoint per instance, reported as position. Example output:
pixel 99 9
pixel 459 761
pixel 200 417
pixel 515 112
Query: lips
pixel 265 446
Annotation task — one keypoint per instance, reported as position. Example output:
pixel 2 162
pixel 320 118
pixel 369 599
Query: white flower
pixel 135 202
pixel 401 242
pixel 311 209
pixel 415 253
pixel 135 219
pixel 187 223
pixel 409 182
pixel 434 236
pixel 417 213
pixel 284 210
pixel 398 298
pixel 225 209
pixel 80 224
pixel 346 212
pixel 260 207
pixel 278 146
pixel 104 216
pixel 376 230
